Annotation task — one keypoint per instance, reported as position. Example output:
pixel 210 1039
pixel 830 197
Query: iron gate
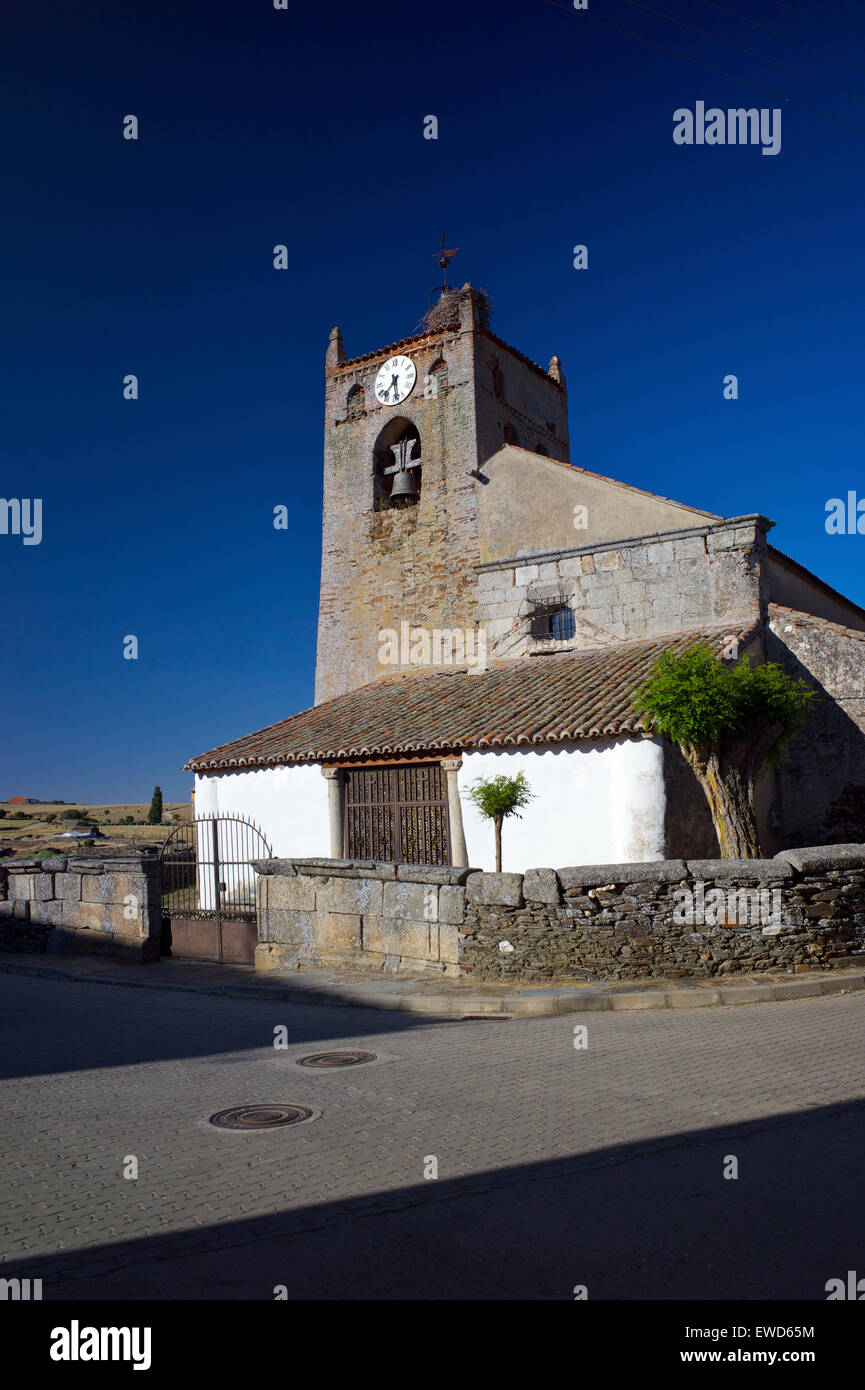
pixel 397 814
pixel 208 889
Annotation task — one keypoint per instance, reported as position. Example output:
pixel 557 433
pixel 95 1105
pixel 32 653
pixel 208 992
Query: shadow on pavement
pixel 190 1025
pixel 652 1220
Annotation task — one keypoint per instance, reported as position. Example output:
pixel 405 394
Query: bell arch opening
pixel 396 465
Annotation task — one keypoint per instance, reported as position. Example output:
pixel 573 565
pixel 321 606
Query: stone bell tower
pixel 406 427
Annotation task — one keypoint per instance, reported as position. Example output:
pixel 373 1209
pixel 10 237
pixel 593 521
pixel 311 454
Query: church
pixel 487 606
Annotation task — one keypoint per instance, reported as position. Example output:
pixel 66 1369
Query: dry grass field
pixel 27 830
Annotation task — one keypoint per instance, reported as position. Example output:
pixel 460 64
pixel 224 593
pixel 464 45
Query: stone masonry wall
pixel 415 563
pixel 801 911
pixel 626 590
pixel 821 785
pixel 342 912
pixel 105 906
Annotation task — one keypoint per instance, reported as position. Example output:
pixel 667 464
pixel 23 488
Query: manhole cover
pixel 336 1059
pixel 260 1116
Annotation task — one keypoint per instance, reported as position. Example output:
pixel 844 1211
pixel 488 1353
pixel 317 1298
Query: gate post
pixel 217 886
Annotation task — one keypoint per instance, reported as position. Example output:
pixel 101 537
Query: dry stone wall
pixel 101 906
pixel 801 911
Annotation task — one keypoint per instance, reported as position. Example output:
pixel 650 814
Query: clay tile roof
pixel 516 703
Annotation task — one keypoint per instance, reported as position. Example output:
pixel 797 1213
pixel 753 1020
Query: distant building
pixel 22 801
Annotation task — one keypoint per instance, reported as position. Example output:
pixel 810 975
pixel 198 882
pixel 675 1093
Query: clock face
pixel 395 380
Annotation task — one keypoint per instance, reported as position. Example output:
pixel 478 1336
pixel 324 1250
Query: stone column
pixel 335 786
pixel 459 853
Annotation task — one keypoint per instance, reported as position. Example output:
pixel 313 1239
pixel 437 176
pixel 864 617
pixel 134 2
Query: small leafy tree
pixel 499 797
pixel 154 815
pixel 730 722
pixel 71 815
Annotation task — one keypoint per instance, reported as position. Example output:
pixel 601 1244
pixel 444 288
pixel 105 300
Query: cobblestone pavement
pixel 556 1164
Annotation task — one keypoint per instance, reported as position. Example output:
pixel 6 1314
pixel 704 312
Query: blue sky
pixel 305 127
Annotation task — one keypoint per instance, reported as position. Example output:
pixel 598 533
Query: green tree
pixel 71 815
pixel 496 798
pixel 154 815
pixel 730 721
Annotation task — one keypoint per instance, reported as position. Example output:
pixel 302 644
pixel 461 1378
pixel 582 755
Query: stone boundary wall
pixel 83 904
pixel 344 912
pixel 801 911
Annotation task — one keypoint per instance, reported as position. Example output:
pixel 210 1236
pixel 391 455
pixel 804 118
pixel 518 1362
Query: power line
pixel 586 18
pixel 809 14
pixel 780 35
pixel 683 24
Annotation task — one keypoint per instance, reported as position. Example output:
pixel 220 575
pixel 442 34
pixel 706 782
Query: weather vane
pixel 445 256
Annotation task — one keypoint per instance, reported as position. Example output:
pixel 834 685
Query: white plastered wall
pixel 595 803
pixel 288 804
pixel 600 802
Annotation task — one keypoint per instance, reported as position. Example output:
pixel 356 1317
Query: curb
pixel 539 1003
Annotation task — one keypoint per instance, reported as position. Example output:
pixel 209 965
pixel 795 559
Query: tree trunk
pixel 727 777
pixel 498 825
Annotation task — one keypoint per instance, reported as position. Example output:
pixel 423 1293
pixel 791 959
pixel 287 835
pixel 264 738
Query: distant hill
pixel 31 828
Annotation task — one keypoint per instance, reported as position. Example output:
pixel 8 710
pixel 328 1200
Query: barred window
pixel 562 625
pixel 553 622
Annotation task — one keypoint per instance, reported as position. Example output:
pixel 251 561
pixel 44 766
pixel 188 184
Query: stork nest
pixel 446 312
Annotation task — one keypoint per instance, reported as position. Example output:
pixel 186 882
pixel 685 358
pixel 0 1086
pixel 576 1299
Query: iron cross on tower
pixel 444 258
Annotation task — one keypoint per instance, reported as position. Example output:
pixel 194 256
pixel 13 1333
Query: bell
pixel 403 485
